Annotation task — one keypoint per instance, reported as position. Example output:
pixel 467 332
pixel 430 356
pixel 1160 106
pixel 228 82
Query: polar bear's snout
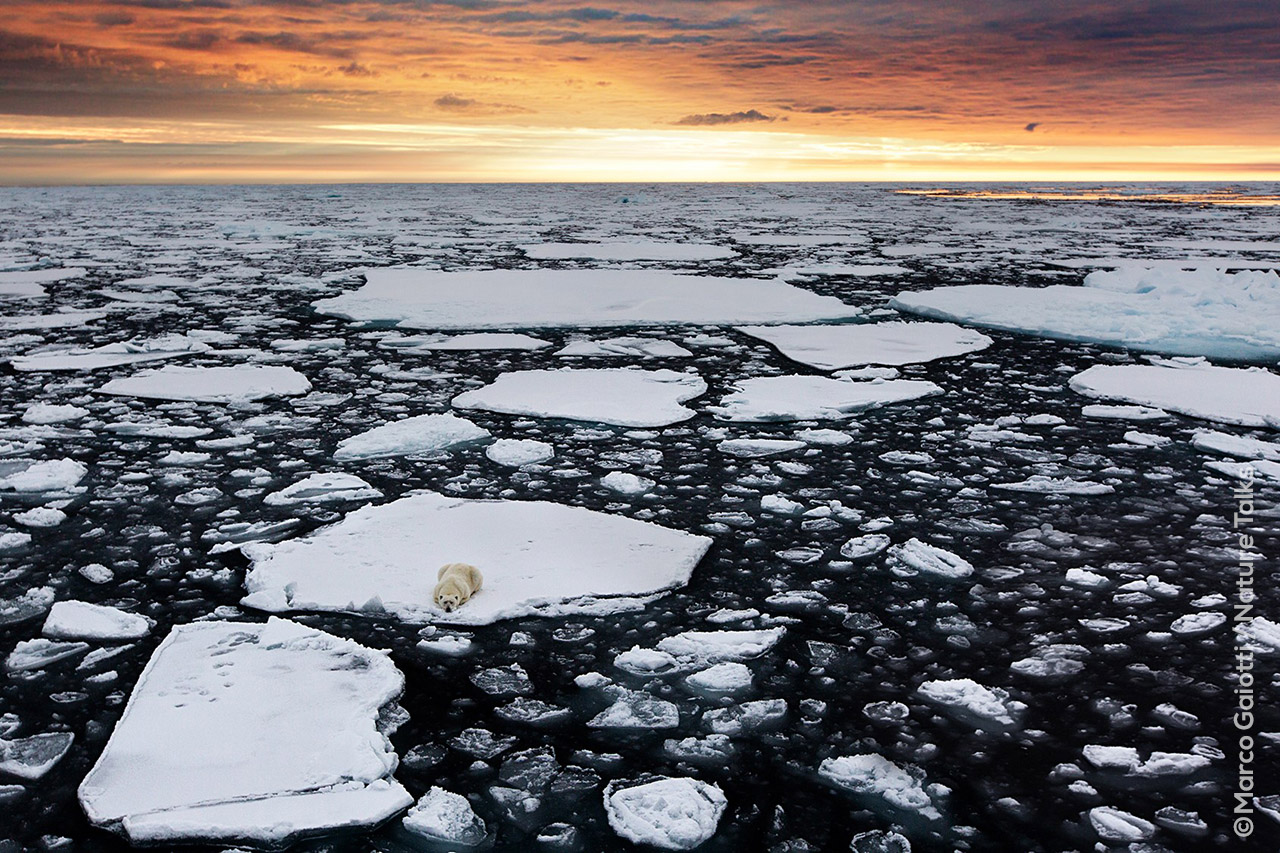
pixel 458 582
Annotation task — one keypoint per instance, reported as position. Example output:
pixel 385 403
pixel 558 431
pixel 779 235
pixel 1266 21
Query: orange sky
pixel 237 90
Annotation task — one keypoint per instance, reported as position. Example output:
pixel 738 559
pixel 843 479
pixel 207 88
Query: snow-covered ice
pixel 80 620
pixel 241 732
pixel 874 776
pixel 853 344
pixel 800 398
pixel 914 557
pixel 617 396
pixel 625 347
pixel 111 355
pixel 1231 395
pixel 468 341
pixel 445 817
pixel 322 488
pixel 528 299
pixel 538 559
pixel 50 477
pixel 627 250
pixel 236 384
pixel 517 452
pixel 420 434
pixel 667 813
pixel 1182 312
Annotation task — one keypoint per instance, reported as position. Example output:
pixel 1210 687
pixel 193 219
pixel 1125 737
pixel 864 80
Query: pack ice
pixel 1230 395
pixel 415 297
pixel 618 396
pixel 255 733
pixel 233 384
pixel 1182 312
pixel 627 250
pixel 537 558
pixel 848 345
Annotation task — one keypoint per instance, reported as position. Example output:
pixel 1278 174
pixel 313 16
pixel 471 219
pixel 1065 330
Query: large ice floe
pixel 110 355
pixel 537 558
pixel 232 384
pixel 420 434
pixel 1205 312
pixel 256 733
pixel 627 250
pixel 804 398
pixel 848 345
pixel 415 297
pixel 618 396
pixel 1231 395
pixel 29 284
pixel 667 813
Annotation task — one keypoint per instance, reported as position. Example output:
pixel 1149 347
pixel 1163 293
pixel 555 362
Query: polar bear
pixel 457 583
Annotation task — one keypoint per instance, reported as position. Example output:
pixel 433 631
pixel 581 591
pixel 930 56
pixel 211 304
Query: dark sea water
pixel 857 635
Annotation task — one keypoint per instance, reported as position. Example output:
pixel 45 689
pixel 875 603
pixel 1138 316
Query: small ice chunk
pixel 626 484
pixel 668 813
pixel 32 757
pixel 751 448
pixel 633 709
pixel 517 452
pixel 49 413
pixel 628 347
pixel 80 620
pixel 914 557
pixel 37 654
pixel 445 817
pixel 983 707
pixel 1042 485
pixel 40 516
pixel 863 547
pixel 55 476
pixel 1118 826
pixel 719 646
pixel 875 776
pixel 727 677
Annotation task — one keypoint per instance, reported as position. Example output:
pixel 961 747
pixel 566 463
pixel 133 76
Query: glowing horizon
pixel 296 91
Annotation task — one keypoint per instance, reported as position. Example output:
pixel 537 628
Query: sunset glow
pixel 485 90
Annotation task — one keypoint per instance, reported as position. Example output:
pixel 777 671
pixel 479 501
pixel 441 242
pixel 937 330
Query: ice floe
pixel 29 284
pixel 1040 484
pixel 471 341
pixel 627 250
pixel 525 299
pixel 801 398
pixel 876 778
pixel 322 488
pixel 914 557
pixel 980 706
pixel 538 558
pixel 254 733
pixel 420 434
pixel 445 818
pixel 667 813
pixel 48 477
pixel 1182 312
pixel 235 384
pixel 1232 395
pixel 618 396
pixel 517 452
pixel 32 757
pixel 80 620
pixel 625 347
pixel 889 343
pixel 111 355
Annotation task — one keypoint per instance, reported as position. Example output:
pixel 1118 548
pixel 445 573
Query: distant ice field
pixel 810 517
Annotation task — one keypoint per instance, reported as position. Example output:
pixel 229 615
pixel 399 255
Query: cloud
pixel 711 119
pixel 1031 127
pixel 457 103
pixel 453 102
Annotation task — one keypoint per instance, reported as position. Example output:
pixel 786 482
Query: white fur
pixel 457 583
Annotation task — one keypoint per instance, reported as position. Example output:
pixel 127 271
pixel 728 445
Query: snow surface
pixel 420 434
pixel 852 344
pixel 618 396
pixel 249 732
pixel 237 384
pixel 876 776
pixel 914 557
pixel 415 297
pixel 445 817
pixel 111 355
pixel 1182 312
pixel 637 250
pixel 802 398
pixel 667 813
pixel 1231 395
pixel 537 558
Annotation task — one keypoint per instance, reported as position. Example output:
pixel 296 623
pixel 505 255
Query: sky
pixel 711 90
